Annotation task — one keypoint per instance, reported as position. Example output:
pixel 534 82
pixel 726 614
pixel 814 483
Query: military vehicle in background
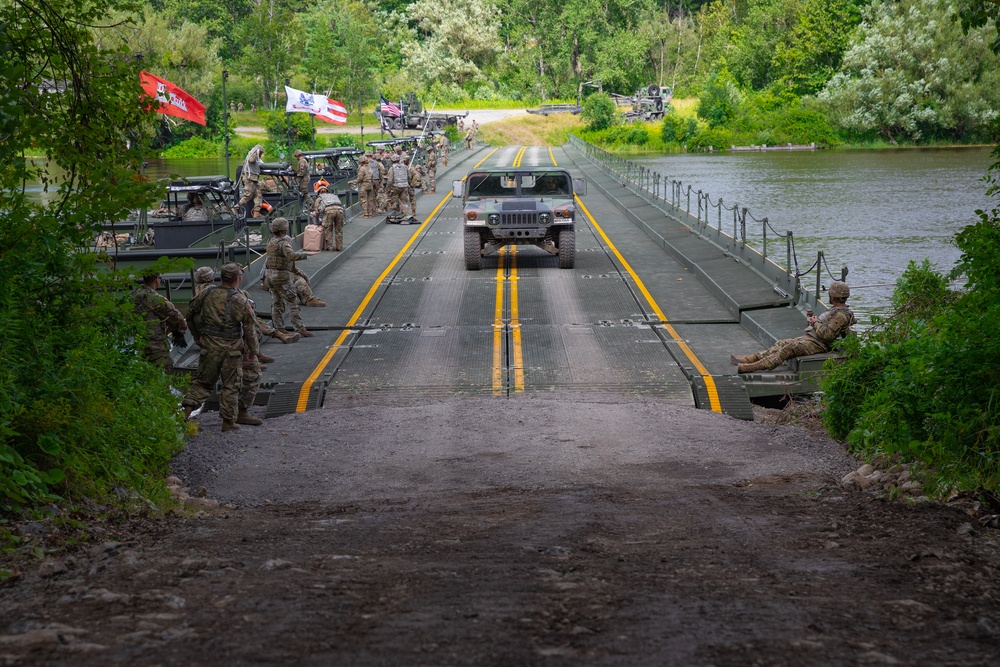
pixel 647 104
pixel 415 117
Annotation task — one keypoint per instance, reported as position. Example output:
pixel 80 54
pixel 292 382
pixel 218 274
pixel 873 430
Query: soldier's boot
pixel 245 417
pixel 313 302
pixel 264 359
pixel 748 359
pixel 228 425
pixel 286 337
pixel 305 334
pixel 753 367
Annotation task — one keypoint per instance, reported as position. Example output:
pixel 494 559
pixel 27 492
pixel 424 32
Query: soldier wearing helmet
pixel 819 335
pixel 365 191
pixel 253 189
pixel 220 320
pixel 204 276
pixel 330 211
pixel 280 265
pixel 302 174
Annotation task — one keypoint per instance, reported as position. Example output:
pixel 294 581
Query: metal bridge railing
pixel 674 198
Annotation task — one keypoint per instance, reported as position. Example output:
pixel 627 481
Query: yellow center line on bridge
pixel 554 163
pixel 519 157
pixel 706 376
pixel 359 311
pixel 515 324
pixel 498 327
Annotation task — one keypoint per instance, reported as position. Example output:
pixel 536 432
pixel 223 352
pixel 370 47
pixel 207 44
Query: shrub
pixel 599 112
pixel 194 147
pixel 719 100
pixel 718 138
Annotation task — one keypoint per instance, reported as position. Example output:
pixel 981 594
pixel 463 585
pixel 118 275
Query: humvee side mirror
pixel 580 187
pixel 457 188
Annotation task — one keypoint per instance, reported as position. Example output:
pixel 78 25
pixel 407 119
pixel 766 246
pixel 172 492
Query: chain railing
pixel 674 198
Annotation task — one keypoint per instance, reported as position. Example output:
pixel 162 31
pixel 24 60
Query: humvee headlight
pixel 544 218
pixel 471 215
pixel 493 219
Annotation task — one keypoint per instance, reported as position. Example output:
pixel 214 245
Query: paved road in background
pixel 483 117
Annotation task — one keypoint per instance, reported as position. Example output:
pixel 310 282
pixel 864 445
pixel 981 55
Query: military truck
pixel 415 117
pixel 519 206
pixel 647 104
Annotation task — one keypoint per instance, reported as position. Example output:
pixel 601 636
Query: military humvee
pixel 519 206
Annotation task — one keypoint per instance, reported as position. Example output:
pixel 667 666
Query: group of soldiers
pixel 387 180
pixel 224 323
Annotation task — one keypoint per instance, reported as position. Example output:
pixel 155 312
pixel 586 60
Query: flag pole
pixel 225 118
pixel 312 117
pixel 361 116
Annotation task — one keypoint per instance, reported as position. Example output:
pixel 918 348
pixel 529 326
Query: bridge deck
pixel 649 307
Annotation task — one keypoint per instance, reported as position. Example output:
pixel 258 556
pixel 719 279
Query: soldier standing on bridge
pixel 302 174
pixel 414 180
pixel 470 134
pixel 280 262
pixel 821 332
pixel 364 182
pixel 222 325
pixel 252 188
pixel 430 168
pixel 330 211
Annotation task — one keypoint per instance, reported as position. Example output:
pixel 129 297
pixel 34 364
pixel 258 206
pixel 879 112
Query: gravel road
pixel 482 116
pixel 556 529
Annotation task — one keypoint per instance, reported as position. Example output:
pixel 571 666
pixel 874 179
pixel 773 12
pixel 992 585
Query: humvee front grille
pixel 519 219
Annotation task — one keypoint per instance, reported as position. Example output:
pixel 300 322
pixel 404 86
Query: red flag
pixel 173 100
pixel 335 112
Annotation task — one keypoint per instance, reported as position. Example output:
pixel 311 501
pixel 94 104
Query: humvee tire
pixel 473 248
pixel 567 248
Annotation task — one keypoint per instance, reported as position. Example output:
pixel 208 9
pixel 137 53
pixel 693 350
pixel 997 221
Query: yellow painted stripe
pixel 303 401
pixel 519 157
pixel 713 393
pixel 553 157
pixel 515 324
pixel 498 328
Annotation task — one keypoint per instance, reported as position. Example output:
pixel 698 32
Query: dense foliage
pixel 925 383
pixel 80 413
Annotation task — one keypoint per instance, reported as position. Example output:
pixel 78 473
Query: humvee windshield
pixel 538 184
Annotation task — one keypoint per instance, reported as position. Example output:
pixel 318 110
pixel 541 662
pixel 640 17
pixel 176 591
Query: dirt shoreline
pixel 598 529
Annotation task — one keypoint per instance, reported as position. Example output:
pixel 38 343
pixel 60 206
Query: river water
pixel 872 211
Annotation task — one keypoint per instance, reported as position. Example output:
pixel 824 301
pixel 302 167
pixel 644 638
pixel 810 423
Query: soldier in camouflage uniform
pixel 399 181
pixel 364 183
pixel 223 326
pixel 415 180
pixel 303 290
pixel 280 263
pixel 161 318
pixel 430 171
pixel 252 187
pixel 330 211
pixel 302 174
pixel 820 333
pixel 376 165
pixel 443 144
pixel 204 276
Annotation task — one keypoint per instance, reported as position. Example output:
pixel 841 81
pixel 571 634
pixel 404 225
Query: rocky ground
pixel 543 530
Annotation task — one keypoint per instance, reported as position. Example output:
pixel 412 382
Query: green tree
pixel 270 42
pixel 911 72
pixel 815 46
pixel 79 411
pixel 720 99
pixel 599 111
pixel 460 38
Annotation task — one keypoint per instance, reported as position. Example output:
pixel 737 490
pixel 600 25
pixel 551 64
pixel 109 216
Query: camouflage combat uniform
pixel 302 174
pixel 399 179
pixel 221 322
pixel 280 264
pixel 380 193
pixel 443 144
pixel 252 188
pixel 430 169
pixel 364 183
pixel 819 335
pixel 414 181
pixel 331 212
pixel 161 318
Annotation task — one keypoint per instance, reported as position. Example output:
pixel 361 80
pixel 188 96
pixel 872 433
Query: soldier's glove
pixel 178 339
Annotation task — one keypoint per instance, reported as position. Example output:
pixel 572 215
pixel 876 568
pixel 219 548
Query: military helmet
pixel 363 160
pixel 839 290
pixel 297 152
pixel 204 274
pixel 279 225
pixel 231 271
pixel 321 184
pixel 395 158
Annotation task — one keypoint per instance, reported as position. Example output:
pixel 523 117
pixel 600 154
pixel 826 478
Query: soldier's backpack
pixel 312 238
pixel 400 176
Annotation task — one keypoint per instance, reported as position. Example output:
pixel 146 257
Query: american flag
pixel 390 109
